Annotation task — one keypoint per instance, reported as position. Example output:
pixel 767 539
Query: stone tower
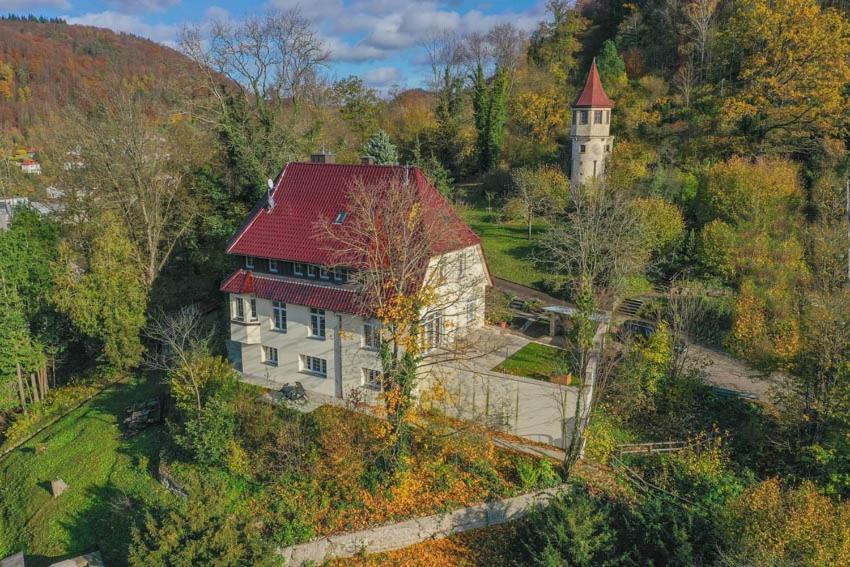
pixel 590 133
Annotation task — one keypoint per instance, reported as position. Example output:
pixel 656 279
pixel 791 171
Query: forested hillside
pixel 46 66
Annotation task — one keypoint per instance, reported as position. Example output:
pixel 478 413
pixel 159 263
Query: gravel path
pixel 730 373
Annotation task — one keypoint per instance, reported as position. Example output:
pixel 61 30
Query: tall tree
pixel 137 163
pixel 101 286
pixel 253 71
pixel 555 45
pixel 395 241
pixel 490 109
pixel 791 68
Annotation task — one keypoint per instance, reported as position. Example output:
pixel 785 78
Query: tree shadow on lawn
pixel 111 509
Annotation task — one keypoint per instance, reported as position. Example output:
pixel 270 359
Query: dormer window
pixel 324 274
pixel 311 271
pixel 298 269
pixel 249 262
pixel 339 274
pixel 340 217
pixel 273 267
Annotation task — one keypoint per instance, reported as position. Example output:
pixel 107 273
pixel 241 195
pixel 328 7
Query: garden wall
pixel 521 406
pixel 534 409
pixel 410 532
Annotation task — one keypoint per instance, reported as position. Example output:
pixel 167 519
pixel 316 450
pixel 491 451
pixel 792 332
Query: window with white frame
pixel 298 269
pixel 372 335
pixel 249 262
pixel 314 365
pixel 471 311
pixel 279 316
pixel 253 309
pixel 311 271
pixel 432 331
pixel 372 379
pixel 269 355
pixel 339 274
pixel 317 323
pixel 324 274
pixel 273 266
pixel 239 309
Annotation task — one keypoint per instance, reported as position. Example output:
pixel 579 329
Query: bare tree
pixel 536 191
pixel 131 159
pixel 699 15
pixel 182 341
pixel 408 254
pixel 508 45
pixel 273 56
pixel 597 242
pixel 446 56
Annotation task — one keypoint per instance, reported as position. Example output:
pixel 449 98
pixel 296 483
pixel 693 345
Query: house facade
pixel 295 315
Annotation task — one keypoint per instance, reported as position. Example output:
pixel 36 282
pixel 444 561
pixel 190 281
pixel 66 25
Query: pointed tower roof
pixel 593 95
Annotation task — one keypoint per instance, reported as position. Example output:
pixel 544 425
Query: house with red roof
pixel 296 314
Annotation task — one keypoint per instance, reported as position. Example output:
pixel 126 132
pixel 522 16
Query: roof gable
pixel 307 192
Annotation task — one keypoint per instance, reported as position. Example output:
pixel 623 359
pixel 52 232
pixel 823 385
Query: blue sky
pixel 378 40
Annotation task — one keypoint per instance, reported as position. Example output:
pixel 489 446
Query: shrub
pixel 572 530
pixel 208 435
pixel 204 529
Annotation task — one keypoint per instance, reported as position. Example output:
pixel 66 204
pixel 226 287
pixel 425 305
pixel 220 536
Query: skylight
pixel 340 217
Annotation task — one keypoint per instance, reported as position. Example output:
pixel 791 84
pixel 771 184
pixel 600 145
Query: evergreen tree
pixel 490 110
pixel 381 148
pixel 612 67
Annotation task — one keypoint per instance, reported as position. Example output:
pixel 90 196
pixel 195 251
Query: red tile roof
pixel 298 292
pixel 593 95
pixel 306 192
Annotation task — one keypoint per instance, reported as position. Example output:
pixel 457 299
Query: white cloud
pixel 343 52
pixel 382 76
pixel 128 23
pixel 216 13
pixel 30 4
pixel 141 5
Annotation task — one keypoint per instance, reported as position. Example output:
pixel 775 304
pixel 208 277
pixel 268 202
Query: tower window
pixel 597 117
pixel 583 116
pixel 583 148
pixel 607 117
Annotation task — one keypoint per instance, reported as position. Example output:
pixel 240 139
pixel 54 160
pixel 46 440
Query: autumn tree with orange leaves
pixel 398 240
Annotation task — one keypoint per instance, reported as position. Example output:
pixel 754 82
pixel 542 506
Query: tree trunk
pixel 35 396
pixel 21 390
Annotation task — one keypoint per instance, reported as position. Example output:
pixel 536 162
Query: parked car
pixel 632 329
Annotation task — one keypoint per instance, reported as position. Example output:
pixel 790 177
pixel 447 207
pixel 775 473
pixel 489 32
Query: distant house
pixel 31 166
pixel 8 206
pixel 295 315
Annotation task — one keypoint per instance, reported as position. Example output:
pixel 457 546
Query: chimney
pixel 323 157
pixel 367 160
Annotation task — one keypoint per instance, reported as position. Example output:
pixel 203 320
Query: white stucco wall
pixel 454 291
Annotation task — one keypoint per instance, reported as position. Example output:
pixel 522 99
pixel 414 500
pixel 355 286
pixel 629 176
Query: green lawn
pixel 537 361
pixel 506 245
pixel 108 481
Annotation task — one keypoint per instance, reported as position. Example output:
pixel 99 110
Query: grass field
pixel 506 245
pixel 108 481
pixel 537 361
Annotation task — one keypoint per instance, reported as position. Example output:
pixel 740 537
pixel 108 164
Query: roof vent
pixel 322 157
pixel 367 160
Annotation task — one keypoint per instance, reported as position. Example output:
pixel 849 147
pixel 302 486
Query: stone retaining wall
pixel 410 532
